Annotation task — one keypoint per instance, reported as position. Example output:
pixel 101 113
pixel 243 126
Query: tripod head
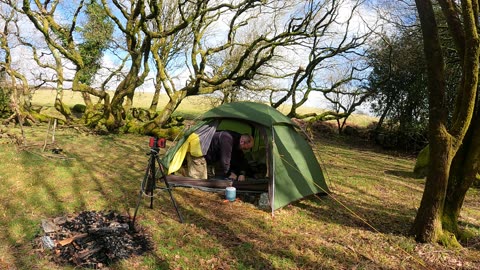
pixel 156 143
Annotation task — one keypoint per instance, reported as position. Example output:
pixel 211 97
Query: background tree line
pixel 277 50
pixel 417 67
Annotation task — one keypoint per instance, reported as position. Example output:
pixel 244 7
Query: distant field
pixel 191 106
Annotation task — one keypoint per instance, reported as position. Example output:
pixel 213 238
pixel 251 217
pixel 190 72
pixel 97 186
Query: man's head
pixel 246 141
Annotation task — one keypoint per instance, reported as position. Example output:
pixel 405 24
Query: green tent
pixel 292 170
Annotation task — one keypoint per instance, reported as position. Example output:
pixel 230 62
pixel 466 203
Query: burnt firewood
pixel 93 239
pixel 71 239
pixel 84 254
pixel 113 228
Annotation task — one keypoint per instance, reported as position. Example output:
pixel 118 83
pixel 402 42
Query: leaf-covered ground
pixel 364 224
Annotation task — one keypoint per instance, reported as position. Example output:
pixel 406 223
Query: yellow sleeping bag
pixel 191 145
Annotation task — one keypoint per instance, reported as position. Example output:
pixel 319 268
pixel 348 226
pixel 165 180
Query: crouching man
pixel 227 149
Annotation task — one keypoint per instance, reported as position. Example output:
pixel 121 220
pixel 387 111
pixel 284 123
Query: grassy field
pixel 363 224
pixel 190 107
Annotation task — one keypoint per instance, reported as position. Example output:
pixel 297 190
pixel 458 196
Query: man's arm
pixel 238 164
pixel 226 152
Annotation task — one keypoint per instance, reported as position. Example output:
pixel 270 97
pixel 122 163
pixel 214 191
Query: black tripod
pixel 149 183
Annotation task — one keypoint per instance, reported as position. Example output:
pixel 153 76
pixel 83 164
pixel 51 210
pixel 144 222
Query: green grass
pixel 363 225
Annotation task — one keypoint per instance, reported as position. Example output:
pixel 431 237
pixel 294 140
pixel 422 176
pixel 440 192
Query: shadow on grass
pixel 369 204
pixel 365 216
pixel 367 198
pixel 105 173
pixel 403 174
pixel 247 239
pixel 90 175
pixel 360 144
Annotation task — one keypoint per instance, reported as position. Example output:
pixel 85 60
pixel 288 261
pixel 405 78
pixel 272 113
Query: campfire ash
pixel 91 239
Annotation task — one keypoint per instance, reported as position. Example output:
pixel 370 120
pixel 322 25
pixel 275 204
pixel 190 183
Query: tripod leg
pixel 151 180
pixel 169 190
pixel 143 185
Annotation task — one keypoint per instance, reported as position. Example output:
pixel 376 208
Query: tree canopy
pixel 192 48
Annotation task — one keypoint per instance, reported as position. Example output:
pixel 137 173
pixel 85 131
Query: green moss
pixel 161 133
pixel 449 240
pixel 421 165
pixel 92 118
pixel 110 123
pixel 133 127
pixel 449 223
pixel 79 108
pixel 40 117
pixel 174 132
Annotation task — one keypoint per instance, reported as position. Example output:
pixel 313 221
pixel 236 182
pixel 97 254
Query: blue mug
pixel 231 193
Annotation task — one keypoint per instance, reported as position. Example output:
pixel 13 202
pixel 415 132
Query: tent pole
pixel 273 171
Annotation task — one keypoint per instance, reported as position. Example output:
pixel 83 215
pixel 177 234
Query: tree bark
pixel 165 114
pixel 61 107
pixel 465 167
pixel 444 144
pixel 156 97
pixel 427 226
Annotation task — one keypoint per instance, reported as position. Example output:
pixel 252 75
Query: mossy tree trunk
pixel 126 88
pixel 11 80
pixel 465 167
pixel 156 97
pixel 427 226
pixel 61 42
pixel 175 97
pixel 161 78
pixel 58 104
pixel 444 142
pixel 61 107
pixel 153 127
pixel 129 20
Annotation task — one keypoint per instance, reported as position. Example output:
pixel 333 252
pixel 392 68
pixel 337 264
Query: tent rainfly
pixel 292 171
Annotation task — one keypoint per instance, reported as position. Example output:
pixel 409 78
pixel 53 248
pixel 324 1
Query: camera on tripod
pixel 157 142
pixel 149 184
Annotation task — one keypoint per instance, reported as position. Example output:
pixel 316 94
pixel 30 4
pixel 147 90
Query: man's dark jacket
pixel 225 149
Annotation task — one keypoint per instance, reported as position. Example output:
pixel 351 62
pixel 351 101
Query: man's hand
pixel 232 176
